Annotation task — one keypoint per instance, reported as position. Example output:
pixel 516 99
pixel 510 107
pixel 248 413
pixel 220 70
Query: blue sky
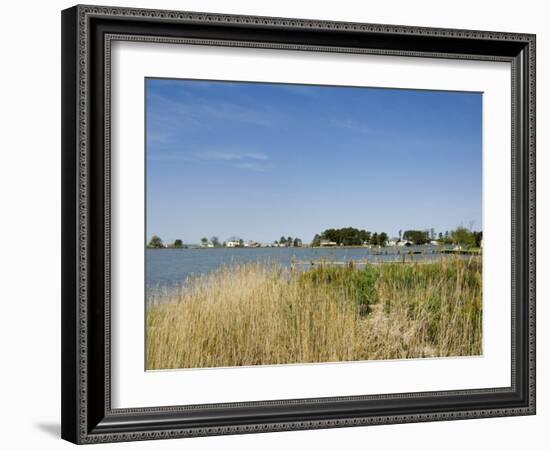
pixel 262 160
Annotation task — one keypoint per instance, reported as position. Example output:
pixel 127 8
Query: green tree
pixel 478 236
pixel 204 241
pixel 156 242
pixel 417 237
pixel 241 242
pixel 463 236
pixel 289 241
pixel 282 241
pixel 382 239
pixel 215 241
pixel 346 236
pixel 364 236
pixel 178 243
pixel 297 242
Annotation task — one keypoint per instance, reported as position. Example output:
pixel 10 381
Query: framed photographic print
pixel 277 224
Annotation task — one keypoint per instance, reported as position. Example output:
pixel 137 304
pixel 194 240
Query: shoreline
pixel 416 247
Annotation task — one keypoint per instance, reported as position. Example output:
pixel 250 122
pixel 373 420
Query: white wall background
pixel 30 223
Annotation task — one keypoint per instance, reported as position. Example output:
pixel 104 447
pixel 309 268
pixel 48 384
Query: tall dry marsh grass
pixel 264 314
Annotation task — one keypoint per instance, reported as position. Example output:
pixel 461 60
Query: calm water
pixel 168 268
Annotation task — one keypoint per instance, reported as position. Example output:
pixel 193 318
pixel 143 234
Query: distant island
pixel 461 237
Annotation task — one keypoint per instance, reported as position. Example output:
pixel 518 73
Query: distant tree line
pixel 350 236
pixel 157 242
pixel 417 237
pixel 288 242
pixel 460 236
pixel 463 236
pixel 214 241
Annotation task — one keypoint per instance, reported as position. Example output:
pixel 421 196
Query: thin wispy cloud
pixel 164 127
pixel 258 156
pixel 161 156
pixel 352 125
pixel 159 137
pixel 169 112
pixel 249 165
pixel 230 156
pixel 218 156
pixel 255 161
pixel 235 113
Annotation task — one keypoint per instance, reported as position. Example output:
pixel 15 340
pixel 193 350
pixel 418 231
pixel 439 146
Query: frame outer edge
pixel 75 60
pixel 69 233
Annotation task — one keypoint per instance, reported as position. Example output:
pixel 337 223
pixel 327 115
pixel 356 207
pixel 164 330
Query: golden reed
pixel 252 314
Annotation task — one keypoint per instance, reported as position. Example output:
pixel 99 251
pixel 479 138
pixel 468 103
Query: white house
pixel 232 244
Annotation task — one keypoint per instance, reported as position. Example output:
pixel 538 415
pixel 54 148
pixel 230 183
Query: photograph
pixel 294 224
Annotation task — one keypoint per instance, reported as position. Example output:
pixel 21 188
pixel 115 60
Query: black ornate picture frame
pixel 87 34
